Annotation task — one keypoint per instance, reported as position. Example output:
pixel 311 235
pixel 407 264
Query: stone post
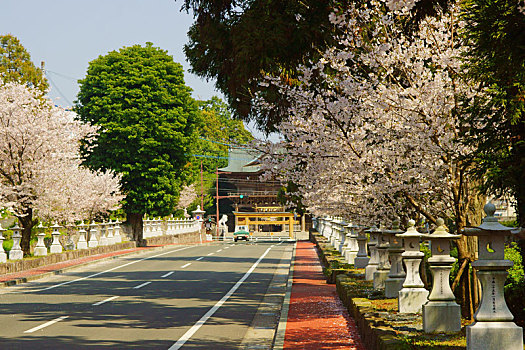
pixel 82 244
pixel 441 313
pixel 3 255
pixel 16 252
pixel 493 328
pixel 93 235
pixel 40 248
pixel 337 228
pixel 314 223
pixel 396 275
pixel 374 256
pixel 383 266
pixel 362 259
pixel 413 294
pixel 328 229
pixel 56 247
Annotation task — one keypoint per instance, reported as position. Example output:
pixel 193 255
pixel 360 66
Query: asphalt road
pixel 189 297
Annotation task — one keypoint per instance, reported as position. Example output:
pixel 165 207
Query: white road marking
pixel 167 274
pixel 105 301
pixel 184 266
pixel 100 273
pixel 199 258
pixel 186 336
pixel 141 285
pixel 218 251
pixel 210 254
pixel 46 324
pixel 226 247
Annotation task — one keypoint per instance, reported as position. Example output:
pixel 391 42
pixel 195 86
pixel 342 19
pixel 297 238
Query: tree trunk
pixel 136 222
pixel 27 223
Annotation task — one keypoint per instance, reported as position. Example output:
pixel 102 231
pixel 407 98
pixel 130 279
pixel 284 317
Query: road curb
pixel 21 280
pixel 278 342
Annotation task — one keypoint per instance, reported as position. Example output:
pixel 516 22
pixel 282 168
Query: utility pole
pixel 217 218
pixel 202 189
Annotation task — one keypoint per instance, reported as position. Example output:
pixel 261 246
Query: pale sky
pixel 68 34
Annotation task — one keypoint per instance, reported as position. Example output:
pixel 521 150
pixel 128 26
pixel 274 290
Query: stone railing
pixel 166 227
pixel 86 236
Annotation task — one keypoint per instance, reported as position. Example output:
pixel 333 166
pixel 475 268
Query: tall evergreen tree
pixel 146 116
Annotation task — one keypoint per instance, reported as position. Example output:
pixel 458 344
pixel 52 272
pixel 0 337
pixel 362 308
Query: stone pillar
pixel 16 252
pixel 362 259
pixel 374 256
pixel 383 266
pixel 314 223
pixel 396 275
pixel 441 313
pixel 93 235
pixel 328 229
pixel 413 294
pixel 82 244
pixel 493 328
pixel 353 248
pixel 56 247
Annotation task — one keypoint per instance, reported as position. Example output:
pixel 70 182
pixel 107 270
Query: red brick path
pixel 317 319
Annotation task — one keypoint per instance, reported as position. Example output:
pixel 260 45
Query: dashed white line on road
pixel 46 324
pixel 199 258
pixel 218 251
pixel 210 254
pixel 226 247
pixel 186 336
pixel 141 285
pixel 100 273
pixel 167 274
pixel 184 266
pixel 105 301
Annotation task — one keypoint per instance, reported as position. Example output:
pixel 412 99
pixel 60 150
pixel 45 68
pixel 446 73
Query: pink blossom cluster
pixel 40 164
pixel 373 126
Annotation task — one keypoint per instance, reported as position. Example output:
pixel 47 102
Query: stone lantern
pixel 352 248
pixel 383 265
pixel 56 247
pixel 93 235
pixel 40 248
pixel 111 237
pixel 198 214
pixel 341 236
pixel 16 252
pixel 336 228
pixel 328 228
pixel 362 259
pixel 103 240
pixel 413 294
pixel 116 232
pixel 82 244
pixel 396 275
pixel 3 255
pixel 315 223
pixel 441 313
pixel 371 267
pixel 493 328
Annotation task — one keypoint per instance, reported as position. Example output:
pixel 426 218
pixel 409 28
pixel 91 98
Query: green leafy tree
pixel 147 118
pixel 16 65
pixel 216 129
pixel 238 42
pixel 495 35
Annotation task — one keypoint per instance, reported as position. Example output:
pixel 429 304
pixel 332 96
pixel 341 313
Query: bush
pixel 515 284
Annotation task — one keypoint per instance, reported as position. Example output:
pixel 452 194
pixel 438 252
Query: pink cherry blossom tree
pixel 39 162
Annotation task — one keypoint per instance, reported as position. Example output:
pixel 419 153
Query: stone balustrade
pixel 85 236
